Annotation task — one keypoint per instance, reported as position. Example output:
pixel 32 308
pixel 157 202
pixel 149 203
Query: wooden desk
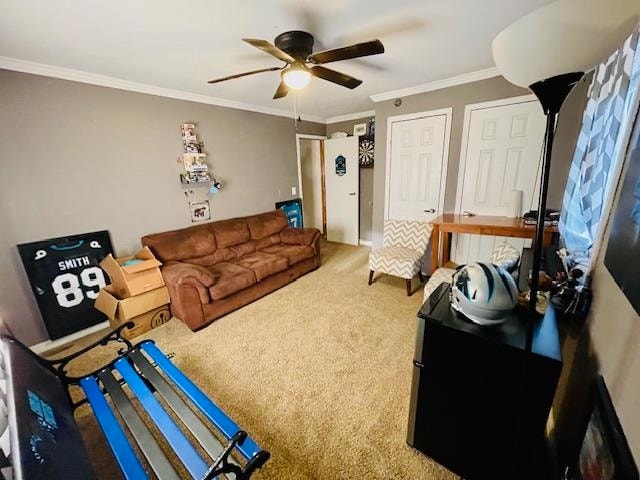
pixel 479 225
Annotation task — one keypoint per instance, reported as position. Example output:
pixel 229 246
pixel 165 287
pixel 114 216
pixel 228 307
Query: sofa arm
pixel 299 236
pixel 178 274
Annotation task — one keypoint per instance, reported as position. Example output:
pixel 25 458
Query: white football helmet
pixel 484 293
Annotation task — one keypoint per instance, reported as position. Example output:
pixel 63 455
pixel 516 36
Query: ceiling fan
pixel 295 48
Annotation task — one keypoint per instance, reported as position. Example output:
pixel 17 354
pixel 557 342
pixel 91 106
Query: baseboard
pixel 47 345
pixel 366 243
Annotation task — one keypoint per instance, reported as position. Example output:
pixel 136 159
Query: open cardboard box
pixel 130 280
pixel 146 311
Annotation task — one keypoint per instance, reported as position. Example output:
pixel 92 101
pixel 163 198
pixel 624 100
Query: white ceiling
pixel 181 45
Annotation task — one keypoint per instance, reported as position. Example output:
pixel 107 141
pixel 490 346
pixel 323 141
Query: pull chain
pixel 295 110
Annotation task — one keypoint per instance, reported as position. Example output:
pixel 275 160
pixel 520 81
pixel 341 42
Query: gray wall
pixel 458 97
pixel 366 180
pixel 609 343
pixel 614 329
pixel 78 158
pixel 615 333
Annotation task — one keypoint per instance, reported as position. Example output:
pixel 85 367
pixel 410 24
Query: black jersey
pixel 65 277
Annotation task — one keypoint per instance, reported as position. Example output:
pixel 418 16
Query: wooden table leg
pixel 446 247
pixel 435 247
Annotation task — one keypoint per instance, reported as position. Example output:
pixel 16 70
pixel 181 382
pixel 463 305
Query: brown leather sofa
pixel 215 268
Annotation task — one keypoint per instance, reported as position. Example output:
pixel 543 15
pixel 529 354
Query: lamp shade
pixel 563 37
pixel 296 77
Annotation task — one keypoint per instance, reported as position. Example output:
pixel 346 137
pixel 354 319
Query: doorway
pixel 311 181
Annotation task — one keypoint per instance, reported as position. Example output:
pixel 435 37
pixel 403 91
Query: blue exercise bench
pixel 197 436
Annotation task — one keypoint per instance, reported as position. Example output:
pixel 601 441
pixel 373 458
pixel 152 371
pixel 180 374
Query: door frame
pixel 466 126
pixel 448 112
pixel 323 184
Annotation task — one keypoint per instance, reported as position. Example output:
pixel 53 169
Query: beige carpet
pixel 318 373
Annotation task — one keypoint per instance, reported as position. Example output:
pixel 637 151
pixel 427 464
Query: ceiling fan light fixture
pixel 295 48
pixel 296 78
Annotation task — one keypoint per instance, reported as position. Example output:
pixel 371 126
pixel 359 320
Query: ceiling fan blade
pixel 374 47
pixel 335 77
pixel 270 48
pixel 281 91
pixel 231 77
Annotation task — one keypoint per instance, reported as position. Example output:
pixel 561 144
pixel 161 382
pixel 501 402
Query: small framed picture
pixel 359 129
pixel 200 211
pixel 195 162
pixel 605 453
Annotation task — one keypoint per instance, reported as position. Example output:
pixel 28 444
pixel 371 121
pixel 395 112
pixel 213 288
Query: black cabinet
pixel 479 404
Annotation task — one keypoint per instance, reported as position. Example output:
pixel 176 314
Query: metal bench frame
pixel 149 375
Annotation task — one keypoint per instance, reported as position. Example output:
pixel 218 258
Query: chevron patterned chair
pixel 404 245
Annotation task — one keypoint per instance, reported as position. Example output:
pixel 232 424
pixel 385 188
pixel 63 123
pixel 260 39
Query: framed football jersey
pixel 65 278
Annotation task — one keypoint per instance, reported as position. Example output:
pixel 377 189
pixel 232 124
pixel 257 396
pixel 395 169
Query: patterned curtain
pixel 598 149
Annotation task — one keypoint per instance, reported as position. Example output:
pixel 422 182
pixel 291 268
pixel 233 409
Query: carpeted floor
pixel 318 373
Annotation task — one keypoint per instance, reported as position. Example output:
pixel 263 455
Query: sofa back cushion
pixel 196 241
pixel 230 232
pixel 266 224
pixel 210 243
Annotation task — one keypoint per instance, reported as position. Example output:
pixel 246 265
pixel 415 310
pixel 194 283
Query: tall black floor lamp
pixel 551 93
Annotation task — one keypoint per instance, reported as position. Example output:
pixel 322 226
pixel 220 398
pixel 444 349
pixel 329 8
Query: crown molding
pixel 351 116
pixel 26 66
pixel 437 85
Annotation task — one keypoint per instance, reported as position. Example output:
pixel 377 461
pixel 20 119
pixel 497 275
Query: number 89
pixel 67 287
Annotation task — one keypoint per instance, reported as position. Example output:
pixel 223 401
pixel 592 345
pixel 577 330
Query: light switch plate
pixel 294 190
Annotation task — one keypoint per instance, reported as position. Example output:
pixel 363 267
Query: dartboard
pixel 366 152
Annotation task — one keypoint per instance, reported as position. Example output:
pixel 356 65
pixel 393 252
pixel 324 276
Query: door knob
pixel 352 193
pixel 431 210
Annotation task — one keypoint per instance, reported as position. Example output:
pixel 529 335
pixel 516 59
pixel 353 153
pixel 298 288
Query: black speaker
pixel 479 403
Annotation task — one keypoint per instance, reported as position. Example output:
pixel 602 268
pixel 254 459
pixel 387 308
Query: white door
pixel 342 189
pixel 501 152
pixel 417 163
pixel 311 182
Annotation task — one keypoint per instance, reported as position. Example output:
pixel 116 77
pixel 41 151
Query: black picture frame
pixel 77 253
pixel 604 453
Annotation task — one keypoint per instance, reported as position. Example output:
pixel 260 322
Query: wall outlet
pixel 279 193
pixel 294 190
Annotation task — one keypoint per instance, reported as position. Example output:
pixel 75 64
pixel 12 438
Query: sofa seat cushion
pixel 263 264
pixel 230 278
pixel 293 253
